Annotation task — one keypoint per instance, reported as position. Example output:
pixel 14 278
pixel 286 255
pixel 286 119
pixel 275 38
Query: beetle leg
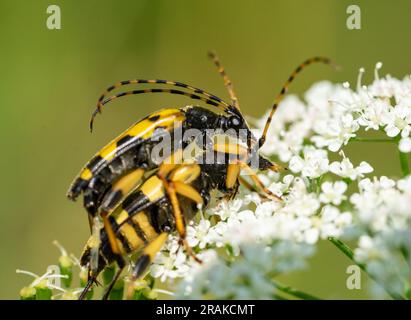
pixel 114 280
pixel 110 234
pixel 246 184
pixel 188 191
pixel 146 258
pixel 178 216
pixel 94 251
pixel 90 282
pixel 148 255
pixel 185 173
pixel 232 148
pixel 233 172
pixel 120 189
pixel 257 181
pixel 117 192
pixel 180 223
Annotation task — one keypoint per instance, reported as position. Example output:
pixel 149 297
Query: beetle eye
pixel 234 121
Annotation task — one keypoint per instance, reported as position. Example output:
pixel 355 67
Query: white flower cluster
pixel 383 204
pixel 333 114
pixel 315 202
pixel 386 259
pixel 384 244
pixel 221 281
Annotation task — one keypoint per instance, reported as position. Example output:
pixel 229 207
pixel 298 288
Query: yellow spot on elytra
pixel 186 173
pixel 131 236
pixel 86 174
pixel 121 217
pixel 129 181
pixel 153 189
pixel 142 129
pixel 145 128
pixel 142 221
pixel 109 151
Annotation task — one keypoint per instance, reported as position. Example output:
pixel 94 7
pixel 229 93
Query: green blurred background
pixel 51 79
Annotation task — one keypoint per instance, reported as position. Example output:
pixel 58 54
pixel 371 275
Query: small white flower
pixel 405 145
pixel 267 209
pixel 345 169
pixel 208 257
pixel 251 197
pixel 319 94
pixel 333 192
pixel 376 184
pixel 405 184
pixel 373 115
pixel 44 280
pixel 218 234
pixel 330 223
pixel 366 250
pixel 278 188
pixel 170 263
pixel 301 204
pixel 398 120
pixel 199 236
pixel 225 209
pixel 385 87
pixel 313 164
pixel 333 133
pixel 333 222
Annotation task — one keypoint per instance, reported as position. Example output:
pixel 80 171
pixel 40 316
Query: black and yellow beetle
pixel 117 162
pixel 119 168
pixel 132 149
pixel 163 203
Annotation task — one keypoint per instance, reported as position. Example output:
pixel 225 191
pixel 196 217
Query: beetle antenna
pixel 210 100
pixel 227 82
pixel 284 90
pixel 158 81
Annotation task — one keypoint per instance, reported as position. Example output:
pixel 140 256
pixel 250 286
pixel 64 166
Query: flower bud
pixel 136 290
pixel 65 265
pixel 28 293
pixel 150 294
pixel 43 292
pixel 69 295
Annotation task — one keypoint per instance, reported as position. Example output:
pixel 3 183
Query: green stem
pixel 360 139
pixel 350 254
pixel 404 163
pixel 294 292
pixel 405 254
pixel 278 297
pixel 344 249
